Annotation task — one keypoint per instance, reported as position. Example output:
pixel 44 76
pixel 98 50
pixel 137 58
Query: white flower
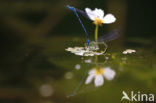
pixel 98 17
pixel 129 51
pixel 98 74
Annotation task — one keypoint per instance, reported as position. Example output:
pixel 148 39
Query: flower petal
pixel 98 80
pixel 99 13
pixel 92 71
pixel 109 18
pixel 109 73
pixel 89 78
pixel 90 13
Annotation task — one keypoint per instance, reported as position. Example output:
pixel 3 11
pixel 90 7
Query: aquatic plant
pixel 98 18
pixel 81 51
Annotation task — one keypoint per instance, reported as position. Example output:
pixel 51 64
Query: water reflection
pixel 98 74
pixel 99 67
pixel 96 71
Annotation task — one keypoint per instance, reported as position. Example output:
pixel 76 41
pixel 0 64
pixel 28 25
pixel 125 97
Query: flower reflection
pixel 98 74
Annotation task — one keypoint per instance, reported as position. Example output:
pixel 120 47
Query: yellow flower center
pixel 98 21
pixel 99 71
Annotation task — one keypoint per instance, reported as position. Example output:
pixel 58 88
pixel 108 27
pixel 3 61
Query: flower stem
pixel 96 33
pixel 96 37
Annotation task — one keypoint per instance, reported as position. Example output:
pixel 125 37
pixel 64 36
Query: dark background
pixel 27 28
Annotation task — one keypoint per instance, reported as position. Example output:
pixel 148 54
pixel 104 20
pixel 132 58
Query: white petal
pixel 90 13
pixel 109 73
pixel 92 71
pixel 89 78
pixel 99 13
pixel 109 18
pixel 98 80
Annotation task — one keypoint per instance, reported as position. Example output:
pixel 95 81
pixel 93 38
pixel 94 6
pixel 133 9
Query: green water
pixel 35 68
pixel 45 73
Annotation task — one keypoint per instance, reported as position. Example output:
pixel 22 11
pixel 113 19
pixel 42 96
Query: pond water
pixel 35 66
pixel 46 73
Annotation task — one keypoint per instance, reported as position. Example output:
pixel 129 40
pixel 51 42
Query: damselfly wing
pixel 114 34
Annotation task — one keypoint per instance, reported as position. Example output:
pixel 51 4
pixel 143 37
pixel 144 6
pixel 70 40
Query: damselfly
pixel 75 11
